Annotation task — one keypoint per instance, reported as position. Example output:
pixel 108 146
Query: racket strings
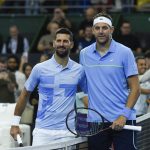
pixel 87 128
pixel 83 123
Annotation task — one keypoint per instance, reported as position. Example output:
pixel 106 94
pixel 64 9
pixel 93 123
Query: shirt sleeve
pixel 83 81
pixel 81 57
pixel 33 79
pixel 130 67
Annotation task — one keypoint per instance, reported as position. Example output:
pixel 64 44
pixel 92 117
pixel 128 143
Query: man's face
pixel 52 27
pixel 28 70
pixel 58 13
pixel 13 32
pixel 88 32
pixel 102 32
pixel 3 66
pixel 12 64
pixel 90 14
pixel 62 45
pixel 147 63
pixel 125 29
pixel 141 64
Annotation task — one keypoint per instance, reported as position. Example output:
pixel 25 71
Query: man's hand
pixel 14 131
pixel 119 123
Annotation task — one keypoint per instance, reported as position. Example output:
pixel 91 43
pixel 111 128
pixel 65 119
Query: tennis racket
pixel 19 141
pixel 79 121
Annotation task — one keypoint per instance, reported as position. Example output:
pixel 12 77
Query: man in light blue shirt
pixel 113 86
pixel 57 80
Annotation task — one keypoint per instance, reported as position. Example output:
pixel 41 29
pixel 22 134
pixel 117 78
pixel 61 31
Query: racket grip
pixel 135 128
pixel 19 141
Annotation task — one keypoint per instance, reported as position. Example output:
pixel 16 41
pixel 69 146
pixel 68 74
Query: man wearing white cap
pixel 113 86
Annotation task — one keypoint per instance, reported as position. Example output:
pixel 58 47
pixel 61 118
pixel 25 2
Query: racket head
pixel 79 122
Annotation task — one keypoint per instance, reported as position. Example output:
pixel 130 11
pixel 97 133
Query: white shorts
pixel 44 136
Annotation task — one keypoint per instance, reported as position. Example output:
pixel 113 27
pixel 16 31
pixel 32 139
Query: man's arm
pixel 145 91
pixel 85 101
pixel 20 106
pixel 134 87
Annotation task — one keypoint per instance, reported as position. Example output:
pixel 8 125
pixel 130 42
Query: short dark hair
pixel 88 25
pixel 25 65
pixel 139 57
pixel 103 14
pixel 64 31
pixel 125 21
pixel 14 57
pixel 54 22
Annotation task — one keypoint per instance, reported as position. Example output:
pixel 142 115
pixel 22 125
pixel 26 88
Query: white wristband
pixel 16 120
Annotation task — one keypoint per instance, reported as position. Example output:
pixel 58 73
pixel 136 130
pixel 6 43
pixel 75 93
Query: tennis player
pixel 112 81
pixel 57 80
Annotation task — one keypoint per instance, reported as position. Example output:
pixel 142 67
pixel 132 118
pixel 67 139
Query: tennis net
pixel 73 144
pixel 143 137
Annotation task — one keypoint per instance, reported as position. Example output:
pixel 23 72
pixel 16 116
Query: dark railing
pixel 33 7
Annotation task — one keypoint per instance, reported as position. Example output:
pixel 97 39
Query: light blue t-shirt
pixel 57 90
pixel 107 79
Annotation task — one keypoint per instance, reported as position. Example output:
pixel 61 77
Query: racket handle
pixel 135 128
pixel 19 140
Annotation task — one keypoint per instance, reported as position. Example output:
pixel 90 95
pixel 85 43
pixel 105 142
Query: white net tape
pixel 53 146
pixel 142 118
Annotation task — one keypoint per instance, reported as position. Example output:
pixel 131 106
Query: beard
pixel 12 69
pixel 62 54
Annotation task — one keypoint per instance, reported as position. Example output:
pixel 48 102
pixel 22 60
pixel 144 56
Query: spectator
pixel 88 20
pixel 44 57
pixel 147 57
pixel 88 38
pixel 13 66
pixel 141 105
pixel 60 17
pixel 27 68
pixel 15 43
pixel 46 42
pixel 128 39
pixel 7 83
pixel 146 76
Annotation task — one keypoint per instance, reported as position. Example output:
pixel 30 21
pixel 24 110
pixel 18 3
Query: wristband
pixel 126 112
pixel 16 120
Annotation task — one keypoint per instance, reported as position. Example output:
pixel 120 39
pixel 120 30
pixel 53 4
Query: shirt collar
pixel 112 47
pixel 69 64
